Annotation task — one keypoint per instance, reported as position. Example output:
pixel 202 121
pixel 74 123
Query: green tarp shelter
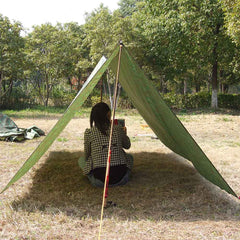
pixel 149 104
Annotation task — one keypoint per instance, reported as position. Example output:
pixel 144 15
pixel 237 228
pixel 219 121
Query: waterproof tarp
pixel 162 120
pixel 151 106
pixel 64 120
pixel 9 131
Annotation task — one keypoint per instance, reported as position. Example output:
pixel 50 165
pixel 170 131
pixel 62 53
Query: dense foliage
pixel 11 57
pixel 188 49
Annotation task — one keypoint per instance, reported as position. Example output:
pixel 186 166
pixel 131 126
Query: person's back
pixel 96 141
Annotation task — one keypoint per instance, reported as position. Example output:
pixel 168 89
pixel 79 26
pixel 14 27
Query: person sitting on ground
pixel 96 141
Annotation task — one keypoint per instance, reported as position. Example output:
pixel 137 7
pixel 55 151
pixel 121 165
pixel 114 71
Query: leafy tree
pixel 11 55
pixel 231 9
pixel 101 36
pixel 185 36
pixel 125 28
pixel 167 40
pixel 128 7
pixel 48 52
pixel 99 33
pixel 77 64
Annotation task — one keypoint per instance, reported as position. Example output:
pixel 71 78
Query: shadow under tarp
pixel 150 105
pixel 170 189
pixel 9 131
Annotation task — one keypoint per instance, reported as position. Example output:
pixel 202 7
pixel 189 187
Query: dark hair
pixel 99 116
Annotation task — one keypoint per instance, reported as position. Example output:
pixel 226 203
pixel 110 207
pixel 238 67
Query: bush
pixel 173 100
pixel 195 101
pixel 125 103
pixel 18 99
pixel 229 101
pixel 201 100
pixel 60 97
pixel 93 100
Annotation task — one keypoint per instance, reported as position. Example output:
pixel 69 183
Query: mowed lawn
pixel 165 199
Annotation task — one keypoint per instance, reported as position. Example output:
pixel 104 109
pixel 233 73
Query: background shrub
pixel 231 101
pixel 61 97
pixel 18 99
pixel 201 100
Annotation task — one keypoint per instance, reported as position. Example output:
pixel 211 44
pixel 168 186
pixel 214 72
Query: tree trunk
pixel 181 87
pixel 197 87
pixel 4 86
pixel 79 81
pixel 163 87
pixel 0 84
pixel 185 87
pixel 214 102
pixel 109 90
pixel 225 88
pixel 197 84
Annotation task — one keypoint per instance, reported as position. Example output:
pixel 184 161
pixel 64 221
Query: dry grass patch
pixel 165 199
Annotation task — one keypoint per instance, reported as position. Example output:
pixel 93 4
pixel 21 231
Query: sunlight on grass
pixel 232 144
pixel 42 112
pixel 184 118
pixel 62 139
pixel 225 119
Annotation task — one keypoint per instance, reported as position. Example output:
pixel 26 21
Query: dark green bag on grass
pixel 9 131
